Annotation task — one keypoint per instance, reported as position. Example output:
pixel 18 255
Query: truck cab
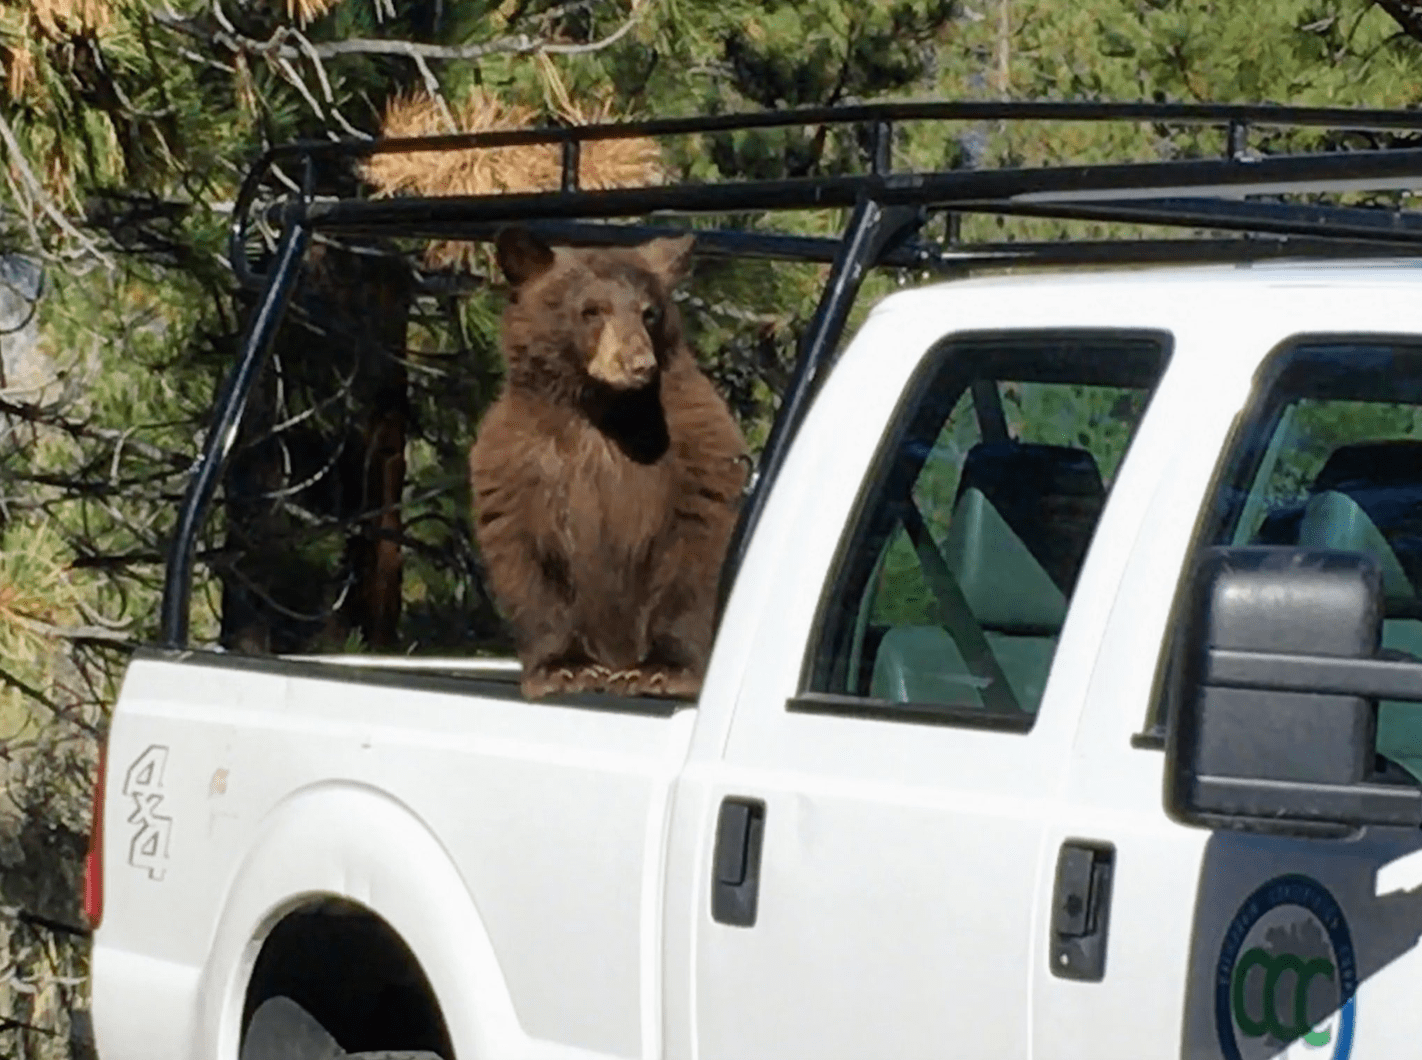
pixel 1018 855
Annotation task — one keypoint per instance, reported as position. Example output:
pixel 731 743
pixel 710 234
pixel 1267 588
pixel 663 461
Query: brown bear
pixel 607 476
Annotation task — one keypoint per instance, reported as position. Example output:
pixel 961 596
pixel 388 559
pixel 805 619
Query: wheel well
pixel 354 974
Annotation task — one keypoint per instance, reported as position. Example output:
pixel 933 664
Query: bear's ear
pixel 669 258
pixel 522 255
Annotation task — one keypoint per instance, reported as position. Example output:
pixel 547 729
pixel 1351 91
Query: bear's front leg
pixel 539 596
pixel 517 508
pixel 531 581
pixel 543 615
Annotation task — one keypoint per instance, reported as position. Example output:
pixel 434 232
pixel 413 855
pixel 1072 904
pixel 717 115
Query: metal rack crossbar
pixel 888 210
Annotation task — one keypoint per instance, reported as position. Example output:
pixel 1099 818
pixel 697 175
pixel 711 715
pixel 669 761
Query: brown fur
pixel 606 477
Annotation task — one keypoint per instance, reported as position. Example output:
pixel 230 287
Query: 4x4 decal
pixel 143 783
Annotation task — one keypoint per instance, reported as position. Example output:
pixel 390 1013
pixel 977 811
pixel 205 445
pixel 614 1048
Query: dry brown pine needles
pixel 308 11
pixel 57 17
pixel 26 25
pixel 489 171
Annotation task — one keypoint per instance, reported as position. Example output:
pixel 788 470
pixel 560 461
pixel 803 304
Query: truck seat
pixel 1368 499
pixel 1055 494
pixel 1385 479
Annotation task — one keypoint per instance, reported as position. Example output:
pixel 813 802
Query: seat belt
pixel 955 614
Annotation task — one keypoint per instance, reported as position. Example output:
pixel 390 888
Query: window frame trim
pixel 831 704
pixel 1155 729
pixel 809 701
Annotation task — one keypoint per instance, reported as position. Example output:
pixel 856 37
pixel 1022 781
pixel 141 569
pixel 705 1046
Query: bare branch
pixel 598 45
pixel 27 689
pixel 283 66
pixel 47 416
pixel 47 629
pixel 513 44
pixel 330 96
pixel 436 93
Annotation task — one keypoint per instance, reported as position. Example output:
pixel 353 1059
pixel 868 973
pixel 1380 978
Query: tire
pixel 283 1030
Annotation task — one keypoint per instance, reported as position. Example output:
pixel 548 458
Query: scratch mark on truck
pixel 148 849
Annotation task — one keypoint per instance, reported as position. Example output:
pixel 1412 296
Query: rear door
pixel 872 832
pixel 1224 944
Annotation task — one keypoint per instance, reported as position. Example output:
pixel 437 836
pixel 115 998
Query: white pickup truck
pixel 1060 707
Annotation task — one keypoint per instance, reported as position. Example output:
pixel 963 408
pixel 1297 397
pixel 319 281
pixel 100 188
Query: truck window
pixel 1330 456
pixel 958 568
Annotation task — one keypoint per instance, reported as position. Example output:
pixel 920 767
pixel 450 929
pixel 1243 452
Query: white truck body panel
pixel 997 801
pixel 549 865
pixel 347 789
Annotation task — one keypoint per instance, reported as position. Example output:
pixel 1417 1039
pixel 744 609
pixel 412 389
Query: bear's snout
pixel 623 358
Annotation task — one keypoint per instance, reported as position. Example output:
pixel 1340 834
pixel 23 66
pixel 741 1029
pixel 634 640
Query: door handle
pixel 1081 904
pixel 735 881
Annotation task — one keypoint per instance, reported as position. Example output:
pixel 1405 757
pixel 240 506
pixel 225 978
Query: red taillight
pixel 94 860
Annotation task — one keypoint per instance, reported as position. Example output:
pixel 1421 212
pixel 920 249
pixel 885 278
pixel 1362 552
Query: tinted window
pixel 955 578
pixel 1330 456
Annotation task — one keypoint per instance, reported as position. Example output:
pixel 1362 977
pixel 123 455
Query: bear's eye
pixel 592 311
pixel 652 315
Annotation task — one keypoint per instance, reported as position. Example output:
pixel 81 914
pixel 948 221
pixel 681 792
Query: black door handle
pixel 1081 903
pixel 735 874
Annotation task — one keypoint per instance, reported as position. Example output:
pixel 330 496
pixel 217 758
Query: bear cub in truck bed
pixel 607 476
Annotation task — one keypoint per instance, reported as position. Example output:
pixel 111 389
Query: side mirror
pixel 1275 717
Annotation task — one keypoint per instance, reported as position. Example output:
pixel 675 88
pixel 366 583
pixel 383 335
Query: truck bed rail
pixel 888 212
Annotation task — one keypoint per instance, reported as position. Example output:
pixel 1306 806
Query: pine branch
pixel 21 165
pixel 27 689
pixel 49 417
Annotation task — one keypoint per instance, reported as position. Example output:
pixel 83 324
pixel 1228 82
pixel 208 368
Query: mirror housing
pixel 1275 714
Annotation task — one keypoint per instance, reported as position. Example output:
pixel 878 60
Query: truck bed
pixel 530 833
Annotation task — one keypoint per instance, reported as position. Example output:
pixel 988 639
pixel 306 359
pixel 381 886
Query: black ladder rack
pixel 888 210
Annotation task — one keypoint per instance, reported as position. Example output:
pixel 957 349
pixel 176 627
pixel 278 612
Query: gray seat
pixel 1336 518
pixel 1017 603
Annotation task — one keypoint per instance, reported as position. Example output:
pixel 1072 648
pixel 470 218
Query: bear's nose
pixel 623 357
pixel 641 368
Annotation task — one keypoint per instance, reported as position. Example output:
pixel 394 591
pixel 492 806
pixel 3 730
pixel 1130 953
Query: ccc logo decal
pixel 1286 973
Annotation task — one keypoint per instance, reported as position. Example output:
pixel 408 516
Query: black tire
pixel 283 1030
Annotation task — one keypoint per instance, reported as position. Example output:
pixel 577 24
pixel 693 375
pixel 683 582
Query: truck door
pixel 870 838
pixel 1219 943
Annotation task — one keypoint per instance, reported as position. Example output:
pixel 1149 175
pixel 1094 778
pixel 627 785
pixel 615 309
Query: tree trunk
pixel 313 491
pixel 373 550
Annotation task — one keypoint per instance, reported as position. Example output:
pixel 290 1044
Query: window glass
pixel 956 577
pixel 1330 456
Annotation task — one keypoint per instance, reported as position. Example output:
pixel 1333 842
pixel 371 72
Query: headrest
pixel 1392 464
pixel 1334 520
pixel 1384 479
pixel 1049 495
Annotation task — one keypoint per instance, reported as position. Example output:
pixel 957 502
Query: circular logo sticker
pixel 1286 976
